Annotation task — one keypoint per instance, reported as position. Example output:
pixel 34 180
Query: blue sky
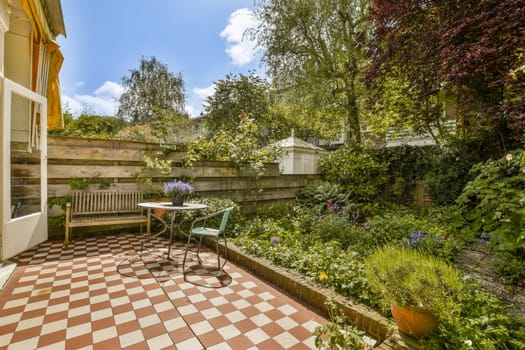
pixel 202 39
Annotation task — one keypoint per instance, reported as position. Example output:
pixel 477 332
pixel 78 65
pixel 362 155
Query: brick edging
pixel 363 317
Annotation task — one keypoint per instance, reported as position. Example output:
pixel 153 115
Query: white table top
pixel 170 206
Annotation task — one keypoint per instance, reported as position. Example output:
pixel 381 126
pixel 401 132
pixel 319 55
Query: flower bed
pixel 328 248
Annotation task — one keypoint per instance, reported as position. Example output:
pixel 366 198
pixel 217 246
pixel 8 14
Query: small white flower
pixel 468 342
pixel 508 157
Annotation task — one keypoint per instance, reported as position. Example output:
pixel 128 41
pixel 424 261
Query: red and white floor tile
pixel 102 293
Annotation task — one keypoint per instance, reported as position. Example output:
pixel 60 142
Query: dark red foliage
pixel 468 46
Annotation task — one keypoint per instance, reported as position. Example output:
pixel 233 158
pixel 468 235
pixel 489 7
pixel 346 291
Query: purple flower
pixel 484 236
pixel 274 240
pixel 177 188
pixel 417 235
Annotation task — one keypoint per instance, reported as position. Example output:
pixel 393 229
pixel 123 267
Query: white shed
pixel 300 156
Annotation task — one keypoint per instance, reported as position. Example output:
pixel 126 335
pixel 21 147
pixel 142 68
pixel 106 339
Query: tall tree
pixel 482 44
pixel 235 96
pixel 151 91
pixel 315 52
pixel 469 50
pixel 404 63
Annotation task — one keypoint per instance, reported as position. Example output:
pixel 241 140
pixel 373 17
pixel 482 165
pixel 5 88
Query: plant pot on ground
pixel 404 277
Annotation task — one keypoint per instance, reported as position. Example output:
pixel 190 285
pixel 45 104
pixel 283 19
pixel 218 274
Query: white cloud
pixel 203 93
pixel 190 110
pixel 198 98
pixel 242 49
pixel 104 100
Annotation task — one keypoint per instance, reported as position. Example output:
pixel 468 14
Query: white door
pixel 24 171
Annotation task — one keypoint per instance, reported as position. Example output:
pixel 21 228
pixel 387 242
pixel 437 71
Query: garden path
pixel 476 261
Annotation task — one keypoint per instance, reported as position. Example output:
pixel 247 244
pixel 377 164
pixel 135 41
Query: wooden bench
pixel 103 208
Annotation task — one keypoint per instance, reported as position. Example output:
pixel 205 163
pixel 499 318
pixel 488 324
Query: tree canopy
pixel 151 91
pixel 90 125
pixel 468 51
pixel 315 53
pixel 238 95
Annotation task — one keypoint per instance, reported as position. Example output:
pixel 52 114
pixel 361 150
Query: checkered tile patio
pixel 100 293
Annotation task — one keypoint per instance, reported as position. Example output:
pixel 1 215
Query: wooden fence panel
pixel 121 163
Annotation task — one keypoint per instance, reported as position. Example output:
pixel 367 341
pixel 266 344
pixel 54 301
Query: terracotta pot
pixel 160 212
pixel 413 321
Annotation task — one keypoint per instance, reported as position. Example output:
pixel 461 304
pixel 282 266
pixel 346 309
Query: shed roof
pixel 294 142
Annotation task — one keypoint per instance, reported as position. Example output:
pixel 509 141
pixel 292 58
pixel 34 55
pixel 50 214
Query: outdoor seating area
pixel 283 175
pixel 103 292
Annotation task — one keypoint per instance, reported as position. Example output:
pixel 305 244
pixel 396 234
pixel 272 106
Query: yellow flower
pixel 323 276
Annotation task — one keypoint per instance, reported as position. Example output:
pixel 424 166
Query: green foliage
pixel 60 202
pixel 431 231
pixel 90 126
pixel 154 175
pixel 450 168
pixel 236 96
pixel 338 334
pixel 79 183
pixel 317 195
pixel 361 173
pixel 291 236
pixel 141 133
pixel 406 277
pixel 104 183
pixel 406 166
pixel 482 323
pixel 510 266
pixel 240 146
pixel 150 92
pixel 333 227
pixel 494 201
pixel 321 72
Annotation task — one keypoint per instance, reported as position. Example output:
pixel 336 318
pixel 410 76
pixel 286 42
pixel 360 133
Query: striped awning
pixel 47 19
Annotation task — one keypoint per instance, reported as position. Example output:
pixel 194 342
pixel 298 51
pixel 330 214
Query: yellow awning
pixel 42 32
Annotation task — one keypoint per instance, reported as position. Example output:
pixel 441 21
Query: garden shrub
pixel 241 146
pixel 361 173
pixel 449 168
pixel 494 201
pixel 482 323
pixel 333 227
pixel 429 230
pixel 317 195
pixel 406 166
pixel 510 266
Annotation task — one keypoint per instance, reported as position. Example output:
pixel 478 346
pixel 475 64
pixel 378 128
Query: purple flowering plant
pixel 177 188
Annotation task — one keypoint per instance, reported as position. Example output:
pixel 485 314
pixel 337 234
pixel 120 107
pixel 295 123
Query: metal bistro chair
pixel 214 233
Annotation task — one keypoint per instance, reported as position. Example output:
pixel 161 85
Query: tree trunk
pixel 353 128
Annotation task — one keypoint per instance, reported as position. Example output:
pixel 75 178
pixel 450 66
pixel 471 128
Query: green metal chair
pixel 202 231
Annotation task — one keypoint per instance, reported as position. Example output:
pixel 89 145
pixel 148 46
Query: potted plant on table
pixel 416 287
pixel 178 191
